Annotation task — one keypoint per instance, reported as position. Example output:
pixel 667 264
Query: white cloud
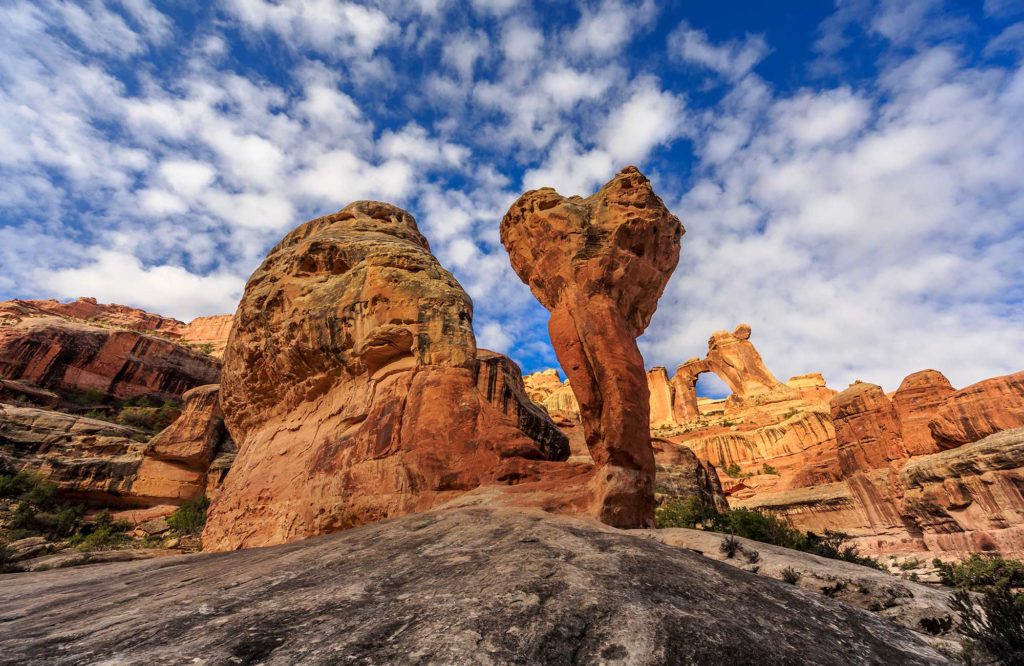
pixel 650 117
pixel 333 27
pixel 607 30
pixel 863 233
pixel 732 59
pixel 115 277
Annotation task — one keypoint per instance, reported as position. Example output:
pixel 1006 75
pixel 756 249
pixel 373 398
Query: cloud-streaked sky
pixel 851 177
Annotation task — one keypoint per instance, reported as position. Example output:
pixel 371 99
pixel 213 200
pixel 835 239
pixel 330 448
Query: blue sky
pixel 851 176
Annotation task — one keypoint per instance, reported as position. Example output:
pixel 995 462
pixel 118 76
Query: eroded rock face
pixel 868 431
pixel 71 355
pixel 177 463
pixel 661 396
pixel 112 314
pixel 89 460
pixel 351 387
pixel 980 410
pixel 599 266
pixel 500 381
pixel 209 332
pixel 681 475
pixel 444 587
pixel 916 401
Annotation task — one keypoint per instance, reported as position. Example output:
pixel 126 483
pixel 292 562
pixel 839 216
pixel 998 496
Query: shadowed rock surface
pixel 468 587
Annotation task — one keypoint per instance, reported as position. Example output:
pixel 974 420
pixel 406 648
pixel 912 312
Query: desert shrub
pixel 982 573
pixel 150 419
pixel 689 512
pixel 790 575
pixel 761 526
pixel 87 397
pixel 68 521
pixel 190 517
pixel 834 589
pixel 16 485
pixel 911 564
pixel 768 469
pixel 752 556
pixel 730 546
pixel 993 625
pixel 23 518
pixel 103 532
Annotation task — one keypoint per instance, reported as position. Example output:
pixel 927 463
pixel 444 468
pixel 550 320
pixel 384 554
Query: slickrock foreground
pixel 470 586
pixel 599 265
pixel 352 386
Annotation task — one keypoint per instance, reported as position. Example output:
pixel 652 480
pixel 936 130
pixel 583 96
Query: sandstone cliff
pixel 67 355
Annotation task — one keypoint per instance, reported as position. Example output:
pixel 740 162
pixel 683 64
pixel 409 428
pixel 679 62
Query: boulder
pixel 681 476
pixel 599 265
pixel 351 385
pixel 980 410
pixel 471 586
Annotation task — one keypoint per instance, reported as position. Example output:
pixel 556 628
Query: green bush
pixel 689 513
pixel 994 625
pixel 982 573
pixel 102 533
pixel 190 517
pixel 68 521
pixel 16 485
pixel 759 526
pixel 768 469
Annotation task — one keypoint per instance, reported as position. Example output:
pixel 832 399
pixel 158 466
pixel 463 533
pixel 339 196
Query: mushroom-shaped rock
pixel 599 265
pixel 350 384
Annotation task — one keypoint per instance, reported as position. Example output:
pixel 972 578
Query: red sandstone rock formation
pixel 177 463
pixel 209 331
pixel 89 460
pixel 118 316
pixel 916 401
pixel 980 410
pixel 599 266
pixel 734 359
pixel 684 390
pixel 868 431
pixel 71 355
pixel 351 386
pixel 661 396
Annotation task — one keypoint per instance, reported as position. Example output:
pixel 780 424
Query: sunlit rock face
pixel 599 265
pixel 51 349
pixel 352 386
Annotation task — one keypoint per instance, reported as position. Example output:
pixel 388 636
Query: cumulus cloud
pixel 732 59
pixel 116 277
pixel 864 233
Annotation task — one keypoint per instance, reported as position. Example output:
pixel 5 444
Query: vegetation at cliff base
pixel 990 604
pixel 190 517
pixel 759 526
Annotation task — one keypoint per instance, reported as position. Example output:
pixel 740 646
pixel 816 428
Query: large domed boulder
pixel 350 384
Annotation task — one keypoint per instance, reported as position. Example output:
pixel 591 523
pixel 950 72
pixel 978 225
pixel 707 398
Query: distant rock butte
pixel 599 265
pixel 52 350
pixel 354 388
pixel 848 461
